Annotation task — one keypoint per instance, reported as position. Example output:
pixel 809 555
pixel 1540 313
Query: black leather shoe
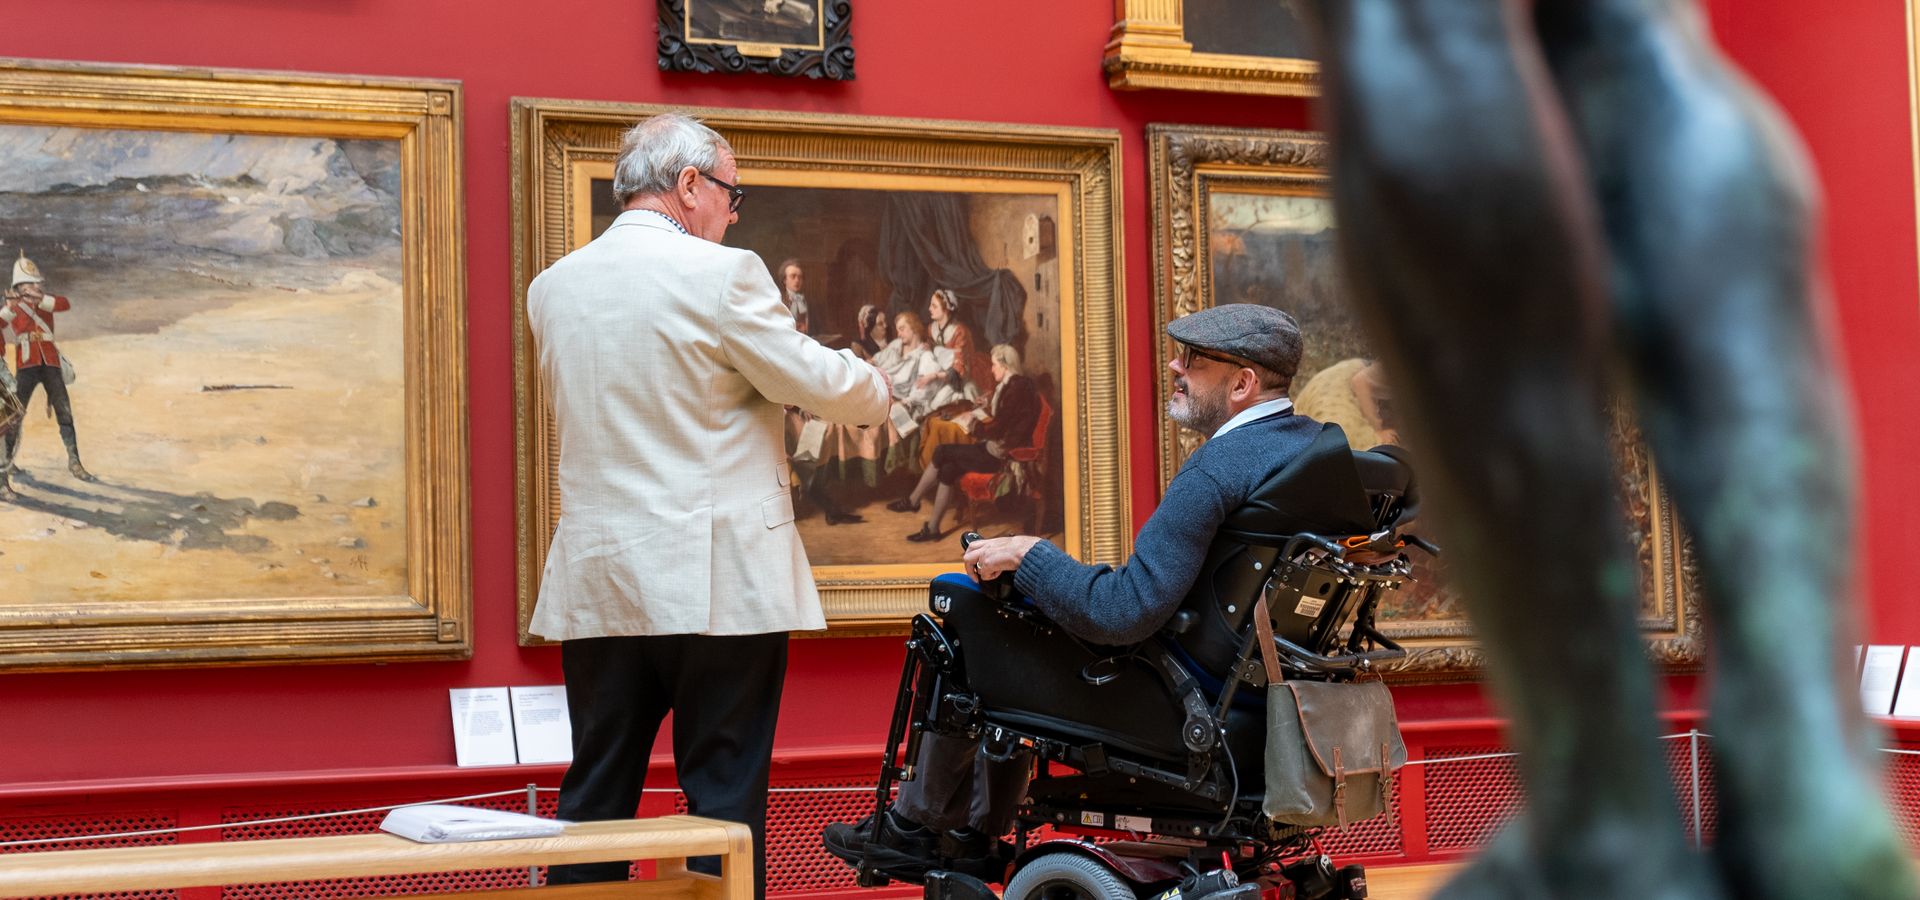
pixel 904 851
pixel 904 505
pixel 924 535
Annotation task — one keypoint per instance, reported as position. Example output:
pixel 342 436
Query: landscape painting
pixel 234 315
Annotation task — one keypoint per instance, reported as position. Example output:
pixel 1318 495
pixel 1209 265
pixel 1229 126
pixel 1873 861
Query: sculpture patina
pixel 1540 199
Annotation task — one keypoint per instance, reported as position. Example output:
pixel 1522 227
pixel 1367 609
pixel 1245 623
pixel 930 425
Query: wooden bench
pixel 669 840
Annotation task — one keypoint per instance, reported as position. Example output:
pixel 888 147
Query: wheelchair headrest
pixel 1320 491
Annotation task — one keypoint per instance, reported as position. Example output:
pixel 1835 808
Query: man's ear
pixel 684 185
pixel 1246 384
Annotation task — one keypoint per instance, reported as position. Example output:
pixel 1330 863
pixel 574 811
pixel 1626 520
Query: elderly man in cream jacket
pixel 676 572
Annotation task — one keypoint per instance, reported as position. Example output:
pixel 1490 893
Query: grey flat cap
pixel 1258 334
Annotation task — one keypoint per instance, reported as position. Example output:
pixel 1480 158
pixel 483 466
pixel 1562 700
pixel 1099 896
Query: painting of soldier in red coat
pixel 206 331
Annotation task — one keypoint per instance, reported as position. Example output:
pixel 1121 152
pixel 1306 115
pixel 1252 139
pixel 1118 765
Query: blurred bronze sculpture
pixel 1538 199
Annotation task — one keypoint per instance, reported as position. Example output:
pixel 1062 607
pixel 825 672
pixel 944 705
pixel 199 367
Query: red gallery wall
pixel 1842 76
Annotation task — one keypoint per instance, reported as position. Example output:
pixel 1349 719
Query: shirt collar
pixel 1259 410
pixel 650 217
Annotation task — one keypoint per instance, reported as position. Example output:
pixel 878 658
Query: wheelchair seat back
pixel 1328 490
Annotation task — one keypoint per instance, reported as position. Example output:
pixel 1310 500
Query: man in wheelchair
pixel 1128 678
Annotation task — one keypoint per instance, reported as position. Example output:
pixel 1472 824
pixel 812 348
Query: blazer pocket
pixel 777 510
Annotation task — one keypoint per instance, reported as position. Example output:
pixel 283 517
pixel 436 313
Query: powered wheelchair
pixel 1151 756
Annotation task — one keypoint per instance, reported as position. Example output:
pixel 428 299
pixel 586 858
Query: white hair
pixel 1007 357
pixel 655 152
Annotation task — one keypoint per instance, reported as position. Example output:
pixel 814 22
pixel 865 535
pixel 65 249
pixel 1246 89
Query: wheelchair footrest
pixel 948 885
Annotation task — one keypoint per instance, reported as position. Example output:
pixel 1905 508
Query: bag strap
pixel 1263 624
pixel 37 317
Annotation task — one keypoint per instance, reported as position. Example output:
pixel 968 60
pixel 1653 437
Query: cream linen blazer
pixel 668 359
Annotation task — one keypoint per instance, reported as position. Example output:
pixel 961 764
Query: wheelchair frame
pixel 1155 852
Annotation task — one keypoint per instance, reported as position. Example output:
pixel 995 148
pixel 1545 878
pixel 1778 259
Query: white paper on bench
pixel 1878 677
pixel 438 823
pixel 1906 703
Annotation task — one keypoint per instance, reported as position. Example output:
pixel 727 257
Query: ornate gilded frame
pixel 829 55
pixel 560 145
pixel 1187 164
pixel 432 619
pixel 1148 49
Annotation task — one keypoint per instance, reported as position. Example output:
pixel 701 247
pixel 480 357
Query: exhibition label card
pixel 482 727
pixel 541 728
pixel 1878 677
pixel 1906 704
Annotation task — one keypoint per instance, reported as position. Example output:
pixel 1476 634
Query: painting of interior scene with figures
pixel 956 296
pixel 207 333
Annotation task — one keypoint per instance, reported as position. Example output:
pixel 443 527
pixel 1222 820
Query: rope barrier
pixel 183 829
pixel 535 789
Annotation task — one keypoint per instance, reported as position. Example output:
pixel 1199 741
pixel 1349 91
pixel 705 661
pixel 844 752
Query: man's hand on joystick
pixel 993 560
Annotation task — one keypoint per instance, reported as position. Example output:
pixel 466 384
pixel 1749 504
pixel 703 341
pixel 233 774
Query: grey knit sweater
pixel 1128 603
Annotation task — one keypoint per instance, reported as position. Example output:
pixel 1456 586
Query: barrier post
pixel 533 809
pixel 1693 771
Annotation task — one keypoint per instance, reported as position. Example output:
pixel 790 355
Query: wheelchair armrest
pixel 1288 544
pixel 1306 660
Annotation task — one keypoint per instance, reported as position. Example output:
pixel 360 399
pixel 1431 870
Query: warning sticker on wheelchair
pixel 1093 819
pixel 1132 823
pixel 1310 607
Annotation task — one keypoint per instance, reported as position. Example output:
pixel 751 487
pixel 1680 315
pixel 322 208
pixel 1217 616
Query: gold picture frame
pixel 1205 183
pixel 562 149
pixel 148 564
pixel 1151 47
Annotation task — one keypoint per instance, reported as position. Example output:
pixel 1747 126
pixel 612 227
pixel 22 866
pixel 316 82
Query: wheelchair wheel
pixel 1067 876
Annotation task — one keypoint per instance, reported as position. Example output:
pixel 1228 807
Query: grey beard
pixel 1204 416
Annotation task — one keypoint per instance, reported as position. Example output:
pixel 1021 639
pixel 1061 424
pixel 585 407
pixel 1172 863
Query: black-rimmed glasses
pixel 735 193
pixel 1185 353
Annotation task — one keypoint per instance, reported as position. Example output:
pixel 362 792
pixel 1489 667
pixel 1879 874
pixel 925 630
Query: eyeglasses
pixel 1184 354
pixel 735 193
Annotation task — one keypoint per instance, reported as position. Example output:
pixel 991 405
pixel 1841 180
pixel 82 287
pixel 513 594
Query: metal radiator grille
pixel 33 829
pixel 797 863
pixel 1468 800
pixel 1680 761
pixel 1902 778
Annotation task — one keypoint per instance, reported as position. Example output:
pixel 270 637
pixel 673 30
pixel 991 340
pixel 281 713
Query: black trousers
pixel 955 460
pixel 30 378
pixel 724 693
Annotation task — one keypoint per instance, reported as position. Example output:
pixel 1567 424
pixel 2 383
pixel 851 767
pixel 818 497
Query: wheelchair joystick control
pixel 999 588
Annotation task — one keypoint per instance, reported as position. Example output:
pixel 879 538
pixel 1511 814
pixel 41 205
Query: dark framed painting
pixel 810 38
pixel 258 451
pixel 1243 216
pixel 1224 46
pixel 981 249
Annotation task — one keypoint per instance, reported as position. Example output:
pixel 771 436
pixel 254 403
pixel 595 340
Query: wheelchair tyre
pixel 1067 876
